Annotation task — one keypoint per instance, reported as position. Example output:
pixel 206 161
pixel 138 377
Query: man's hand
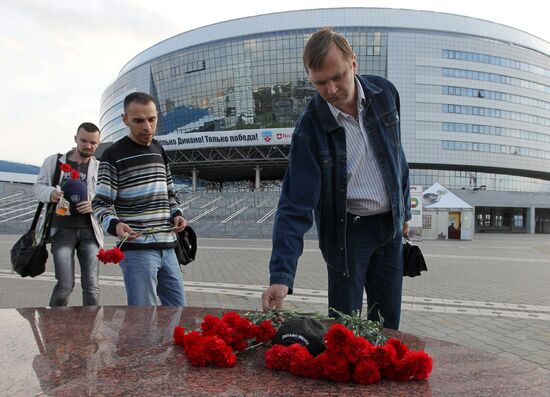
pixel 84 207
pixel 405 228
pixel 56 195
pixel 125 231
pixel 273 297
pixel 179 223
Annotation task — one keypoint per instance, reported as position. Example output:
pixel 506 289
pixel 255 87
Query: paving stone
pixel 543 360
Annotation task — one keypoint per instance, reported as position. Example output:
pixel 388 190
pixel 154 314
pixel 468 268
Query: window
pixel 426 221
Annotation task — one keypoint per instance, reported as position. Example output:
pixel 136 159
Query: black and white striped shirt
pixel 135 186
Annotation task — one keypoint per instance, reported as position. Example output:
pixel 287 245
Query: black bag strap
pixel 56 174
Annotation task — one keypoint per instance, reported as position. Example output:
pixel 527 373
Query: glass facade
pixel 496 60
pixel 245 83
pixel 495 95
pixel 494 130
pixel 467 180
pixel 468 97
pixel 495 78
pixel 491 219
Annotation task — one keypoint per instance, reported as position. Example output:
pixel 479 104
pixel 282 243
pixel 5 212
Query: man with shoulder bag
pixel 73 226
pixel 29 254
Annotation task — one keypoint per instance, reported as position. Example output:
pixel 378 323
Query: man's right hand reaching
pixel 272 297
pixel 125 231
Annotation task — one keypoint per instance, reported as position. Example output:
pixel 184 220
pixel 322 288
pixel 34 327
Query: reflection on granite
pixel 113 350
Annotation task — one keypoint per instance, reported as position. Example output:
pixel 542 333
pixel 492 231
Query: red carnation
pixel 384 355
pixel 113 255
pixel 239 345
pixel 219 353
pixel 358 348
pixel 191 339
pixel 302 363
pixel 210 325
pixel 179 333
pixel 264 332
pixel 337 337
pixel 423 363
pixel 232 319
pixel 65 167
pixel 415 365
pixel 366 372
pixel 400 348
pixel 117 255
pixel 336 366
pixel 196 355
pixel 278 358
pixel 314 368
pixel 242 327
pixel 195 349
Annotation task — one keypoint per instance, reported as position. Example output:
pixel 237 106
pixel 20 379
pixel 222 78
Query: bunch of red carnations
pixel 220 338
pixel 349 357
pixel 113 255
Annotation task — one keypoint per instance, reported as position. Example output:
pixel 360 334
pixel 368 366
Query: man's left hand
pixel 84 207
pixel 405 228
pixel 179 223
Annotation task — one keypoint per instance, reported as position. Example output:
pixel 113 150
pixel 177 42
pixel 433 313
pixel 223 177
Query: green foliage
pixel 368 329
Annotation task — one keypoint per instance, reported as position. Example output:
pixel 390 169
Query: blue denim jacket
pixel 315 183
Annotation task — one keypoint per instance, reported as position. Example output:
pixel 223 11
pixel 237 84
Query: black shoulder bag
pixel 28 259
pixel 186 249
pixel 413 260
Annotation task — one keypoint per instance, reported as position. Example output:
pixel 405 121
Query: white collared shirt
pixel 366 192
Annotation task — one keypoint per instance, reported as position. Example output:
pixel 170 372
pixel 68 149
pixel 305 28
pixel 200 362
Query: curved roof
pixel 386 18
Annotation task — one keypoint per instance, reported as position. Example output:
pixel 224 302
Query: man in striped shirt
pixel 348 170
pixel 136 201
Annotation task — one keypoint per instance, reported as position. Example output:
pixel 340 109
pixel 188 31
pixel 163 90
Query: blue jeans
pixel 152 273
pixel 375 263
pixel 64 243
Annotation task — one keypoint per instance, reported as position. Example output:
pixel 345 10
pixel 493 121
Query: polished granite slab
pixel 120 350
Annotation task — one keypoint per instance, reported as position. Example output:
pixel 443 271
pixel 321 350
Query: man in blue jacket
pixel 348 169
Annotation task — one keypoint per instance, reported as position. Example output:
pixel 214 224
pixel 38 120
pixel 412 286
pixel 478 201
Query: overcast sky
pixel 58 56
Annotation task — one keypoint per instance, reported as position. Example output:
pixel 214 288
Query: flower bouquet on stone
pixel 350 348
pixel 220 339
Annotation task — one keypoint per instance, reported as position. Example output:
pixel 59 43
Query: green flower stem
pixel 368 329
pixel 152 230
pixel 120 242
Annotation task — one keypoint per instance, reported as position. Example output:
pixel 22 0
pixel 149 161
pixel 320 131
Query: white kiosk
pixel 446 216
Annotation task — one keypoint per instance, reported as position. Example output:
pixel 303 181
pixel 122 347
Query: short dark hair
pixel 318 45
pixel 140 97
pixel 87 126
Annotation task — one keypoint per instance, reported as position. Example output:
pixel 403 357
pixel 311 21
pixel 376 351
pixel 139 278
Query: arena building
pixel 475 101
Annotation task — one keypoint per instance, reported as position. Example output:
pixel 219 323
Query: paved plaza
pixel 492 293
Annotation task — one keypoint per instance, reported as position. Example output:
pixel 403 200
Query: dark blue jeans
pixel 65 241
pixel 375 263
